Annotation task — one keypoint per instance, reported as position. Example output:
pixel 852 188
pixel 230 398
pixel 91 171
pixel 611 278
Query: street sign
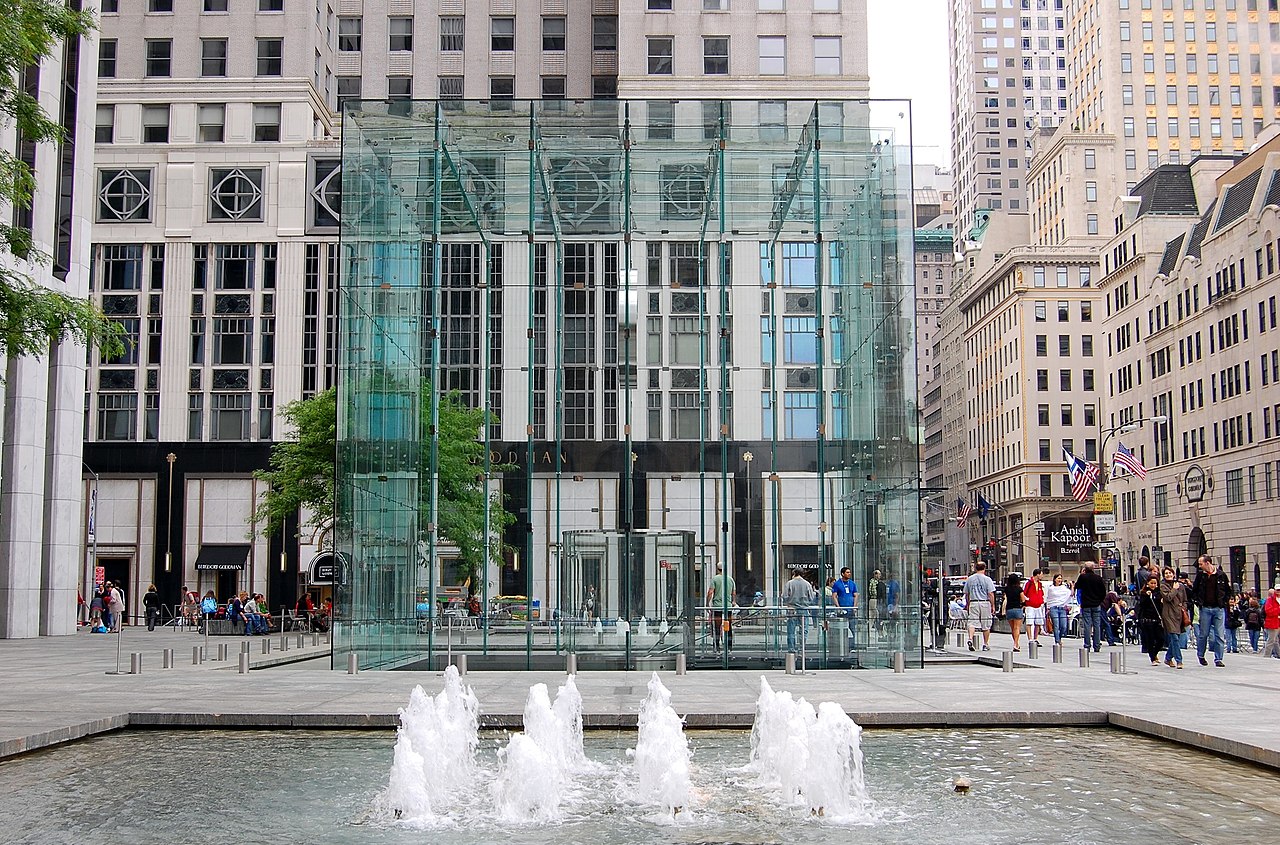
pixel 1104 522
pixel 1104 502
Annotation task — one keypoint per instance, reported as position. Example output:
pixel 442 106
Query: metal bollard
pixel 791 663
pixel 244 647
pixel 197 655
pixel 244 663
pixel 959 640
pixel 168 658
pixel 353 663
pixel 302 640
pixel 1084 658
pixel 135 663
pixel 224 651
pixel 571 664
pixel 1006 662
pixel 460 661
pixel 682 664
pixel 1057 652
pixel 315 639
pixel 1033 650
pixel 1117 665
pixel 266 646
pixel 899 662
pixel 284 643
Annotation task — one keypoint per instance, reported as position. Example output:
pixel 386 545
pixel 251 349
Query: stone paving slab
pixel 55 690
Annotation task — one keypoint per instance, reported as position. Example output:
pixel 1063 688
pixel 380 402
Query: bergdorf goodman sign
pixel 1069 538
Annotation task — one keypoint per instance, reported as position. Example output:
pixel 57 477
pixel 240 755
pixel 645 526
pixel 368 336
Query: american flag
pixel 1124 459
pixel 964 509
pixel 1084 476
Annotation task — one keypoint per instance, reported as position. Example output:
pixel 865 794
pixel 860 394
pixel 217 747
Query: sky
pixel 907 54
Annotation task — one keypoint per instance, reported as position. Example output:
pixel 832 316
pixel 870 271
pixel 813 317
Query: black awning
pixel 222 557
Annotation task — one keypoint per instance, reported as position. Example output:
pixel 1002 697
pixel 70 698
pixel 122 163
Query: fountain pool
pixel 1044 786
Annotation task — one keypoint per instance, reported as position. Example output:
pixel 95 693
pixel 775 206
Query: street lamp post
pixel 91 560
pixel 168 542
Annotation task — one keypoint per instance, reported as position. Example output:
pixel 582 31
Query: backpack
pixel 209 605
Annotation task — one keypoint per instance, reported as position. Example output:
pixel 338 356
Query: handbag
pixel 1048 623
pixel 1186 619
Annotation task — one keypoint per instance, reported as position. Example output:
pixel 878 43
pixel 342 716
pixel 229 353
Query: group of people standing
pixel 106 609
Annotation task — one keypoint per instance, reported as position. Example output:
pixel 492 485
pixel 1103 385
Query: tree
pixel 32 317
pixel 302 474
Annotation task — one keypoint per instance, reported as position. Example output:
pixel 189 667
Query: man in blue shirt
pixel 845 594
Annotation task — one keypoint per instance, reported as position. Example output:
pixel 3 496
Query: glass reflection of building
pixel 642 293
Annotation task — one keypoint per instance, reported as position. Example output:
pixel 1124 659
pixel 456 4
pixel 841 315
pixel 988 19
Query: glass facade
pixel 690 327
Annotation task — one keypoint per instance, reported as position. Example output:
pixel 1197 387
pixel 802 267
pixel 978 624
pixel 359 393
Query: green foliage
pixel 301 474
pixel 32 317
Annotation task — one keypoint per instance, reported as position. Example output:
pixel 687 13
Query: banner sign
pixel 1069 538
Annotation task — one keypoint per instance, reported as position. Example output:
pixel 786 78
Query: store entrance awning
pixel 225 557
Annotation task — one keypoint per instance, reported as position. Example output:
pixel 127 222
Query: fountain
pixel 662 753
pixel 537 766
pixel 434 758
pixel 807 757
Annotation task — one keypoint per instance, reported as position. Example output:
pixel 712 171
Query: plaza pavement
pixel 57 689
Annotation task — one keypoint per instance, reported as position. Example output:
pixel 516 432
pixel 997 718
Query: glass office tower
pixel 690 327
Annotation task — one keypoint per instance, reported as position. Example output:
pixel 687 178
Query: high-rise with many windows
pixel 219 191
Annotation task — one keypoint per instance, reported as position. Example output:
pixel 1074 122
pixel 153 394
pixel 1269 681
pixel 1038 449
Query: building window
pixel 117 416
pixel 400 35
pixel 266 122
pixel 213 57
pixel 349 88
pixel 1090 159
pixel 159 57
pixel 826 56
pixel 1091 191
pixel 773 55
pixel 799 340
pixel 350 34
pixel 604 87
pixel 230 417
pixel 715 56
pixel 1235 486
pixel 107 58
pixel 660 56
pixel 232 341
pixel 210 122
pixel 235 194
pixel 553 88
pixel 233 266
pixel 1160 499
pixel 662 119
pixel 604 33
pixel 502 35
pixel 450 88
pixel 452 37
pixel 104 129
pixel 800 415
pixel 270 5
pixel 1091 224
pixel 553 35
pixel 502 88
pixel 270 56
pixel 658 5
pixel 121 266
pixel 155 124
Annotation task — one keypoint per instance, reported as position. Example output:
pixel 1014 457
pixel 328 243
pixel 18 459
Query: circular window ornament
pixel 235 195
pixel 125 196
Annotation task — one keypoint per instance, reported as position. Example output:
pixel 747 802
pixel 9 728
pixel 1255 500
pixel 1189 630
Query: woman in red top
pixel 1271 624
pixel 1033 599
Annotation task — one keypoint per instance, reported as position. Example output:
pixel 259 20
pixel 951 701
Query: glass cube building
pixel 690 325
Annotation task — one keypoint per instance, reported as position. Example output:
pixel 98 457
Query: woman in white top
pixel 1056 598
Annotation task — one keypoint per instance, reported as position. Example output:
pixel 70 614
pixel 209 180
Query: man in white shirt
pixel 980 598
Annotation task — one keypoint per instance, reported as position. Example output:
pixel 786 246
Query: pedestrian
pixel 844 592
pixel 1271 623
pixel 875 600
pixel 190 607
pixel 1013 607
pixel 151 606
pixel 1235 621
pixel 95 611
pixel 797 597
pixel 1033 606
pixel 1150 623
pixel 1253 622
pixel 980 601
pixel 1174 601
pixel 115 599
pixel 1092 590
pixel 1212 593
pixel 1143 574
pixel 1057 598
pixel 208 609
pixel 105 597
pixel 719 604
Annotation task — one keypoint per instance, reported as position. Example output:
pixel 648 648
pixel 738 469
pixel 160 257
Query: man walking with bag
pixel 1212 592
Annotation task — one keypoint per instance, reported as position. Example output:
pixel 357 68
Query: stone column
pixel 22 488
pixel 64 526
